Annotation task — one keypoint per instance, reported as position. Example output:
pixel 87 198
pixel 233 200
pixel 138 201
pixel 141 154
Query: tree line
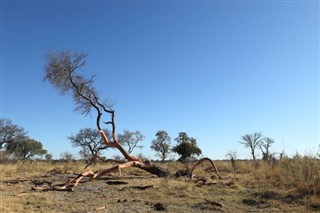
pixel 91 144
pixel 61 71
pixel 15 144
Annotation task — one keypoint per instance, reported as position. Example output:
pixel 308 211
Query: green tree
pixel 187 147
pixel 252 141
pixel 9 132
pixel 161 144
pixel 25 148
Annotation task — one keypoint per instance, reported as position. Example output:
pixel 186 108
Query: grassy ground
pixel 291 185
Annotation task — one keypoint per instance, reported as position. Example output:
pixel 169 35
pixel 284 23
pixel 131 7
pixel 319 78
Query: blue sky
pixel 214 69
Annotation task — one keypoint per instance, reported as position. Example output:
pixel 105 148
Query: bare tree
pixel 252 141
pixel 61 71
pixel 66 156
pixel 90 142
pixel 131 139
pixel 265 145
pixel 232 155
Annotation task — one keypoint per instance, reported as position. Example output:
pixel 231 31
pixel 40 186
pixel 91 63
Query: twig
pixel 213 203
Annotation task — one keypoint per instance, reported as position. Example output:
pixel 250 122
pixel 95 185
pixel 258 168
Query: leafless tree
pixel 265 145
pixel 66 156
pixel 252 141
pixel 131 139
pixel 232 155
pixel 90 142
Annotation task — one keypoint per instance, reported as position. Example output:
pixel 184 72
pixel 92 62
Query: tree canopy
pixel 16 142
pixel 25 148
pixel 187 147
pixel 161 144
pixel 9 132
pixel 61 71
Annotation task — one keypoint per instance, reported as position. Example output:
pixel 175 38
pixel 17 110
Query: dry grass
pixel 291 185
pixel 292 180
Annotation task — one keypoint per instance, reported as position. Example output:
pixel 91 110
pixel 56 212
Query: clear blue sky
pixel 214 69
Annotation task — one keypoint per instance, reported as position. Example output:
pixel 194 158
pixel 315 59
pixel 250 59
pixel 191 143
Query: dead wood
pixel 94 159
pixel 101 208
pixel 189 172
pixel 213 203
pixel 12 182
pixel 40 183
pixel 137 187
pixel 117 182
pixel 201 161
pixel 146 166
pixel 198 179
pixel 22 194
pixel 39 186
pixel 211 183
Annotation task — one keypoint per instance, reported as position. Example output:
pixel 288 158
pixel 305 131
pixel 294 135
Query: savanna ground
pixel 291 185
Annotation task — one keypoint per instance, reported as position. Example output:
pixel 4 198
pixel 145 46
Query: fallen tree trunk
pixel 146 166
